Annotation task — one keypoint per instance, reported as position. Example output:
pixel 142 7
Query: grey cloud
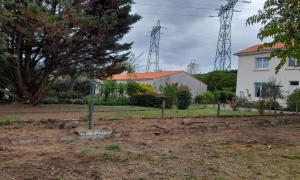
pixel 189 37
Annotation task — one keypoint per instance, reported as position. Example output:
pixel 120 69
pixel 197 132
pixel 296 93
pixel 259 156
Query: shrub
pixel 139 88
pixel 170 90
pixel 50 100
pixel 132 88
pixel 122 88
pixel 66 95
pixel 151 100
pixel 114 101
pixel 293 99
pixel 183 98
pixel 240 102
pixel 108 88
pixel 51 93
pixel 200 99
pixel 83 86
pixel 146 88
pixel 225 96
pixel 206 98
pixel 272 105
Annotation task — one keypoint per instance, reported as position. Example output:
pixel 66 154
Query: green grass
pixel 192 111
pixel 111 112
pixel 113 147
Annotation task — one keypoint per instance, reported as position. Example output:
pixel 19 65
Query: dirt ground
pixel 210 148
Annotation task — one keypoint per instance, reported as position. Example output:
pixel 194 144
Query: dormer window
pixel 262 63
pixel 293 62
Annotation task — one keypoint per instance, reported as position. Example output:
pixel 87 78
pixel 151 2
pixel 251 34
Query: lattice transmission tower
pixel 153 57
pixel 223 53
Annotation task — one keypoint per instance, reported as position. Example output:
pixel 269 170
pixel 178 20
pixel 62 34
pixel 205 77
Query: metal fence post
pixel 163 106
pixel 219 109
pixel 91 103
pixel 297 108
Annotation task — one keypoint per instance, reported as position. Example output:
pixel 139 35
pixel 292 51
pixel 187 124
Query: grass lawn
pixel 75 112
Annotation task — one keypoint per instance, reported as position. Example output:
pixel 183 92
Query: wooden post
pixel 163 106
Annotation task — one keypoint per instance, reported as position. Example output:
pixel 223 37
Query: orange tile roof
pixel 260 48
pixel 143 76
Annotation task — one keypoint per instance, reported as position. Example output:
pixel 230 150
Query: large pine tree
pixel 41 40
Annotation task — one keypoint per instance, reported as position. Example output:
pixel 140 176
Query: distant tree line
pixel 219 80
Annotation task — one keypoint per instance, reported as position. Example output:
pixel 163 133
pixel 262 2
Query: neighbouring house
pixel 158 79
pixel 254 69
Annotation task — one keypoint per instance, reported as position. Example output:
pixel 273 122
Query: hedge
pixel 151 100
pixel 184 98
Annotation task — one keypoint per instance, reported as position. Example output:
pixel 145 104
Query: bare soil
pixel 210 148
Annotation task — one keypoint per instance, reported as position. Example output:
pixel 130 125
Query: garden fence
pixel 74 106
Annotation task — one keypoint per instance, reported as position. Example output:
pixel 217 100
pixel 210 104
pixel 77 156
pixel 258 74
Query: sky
pixel 188 31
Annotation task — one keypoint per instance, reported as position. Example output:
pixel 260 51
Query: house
pixel 254 69
pixel 158 79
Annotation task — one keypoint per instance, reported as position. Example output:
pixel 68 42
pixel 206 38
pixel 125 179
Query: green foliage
pixel 113 101
pixel 225 96
pixel 280 20
pixel 108 88
pixel 293 99
pixel 170 90
pixel 64 97
pixel 184 98
pixel 151 100
pixel 43 40
pixel 113 147
pixel 139 88
pixel 219 80
pixel 121 88
pixel 239 102
pixel 146 88
pixel 83 86
pixel 206 98
pixel 50 100
pixel 132 88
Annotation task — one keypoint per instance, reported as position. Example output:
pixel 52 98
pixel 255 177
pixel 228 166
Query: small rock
pixel 157 133
pixel 186 122
pixel 166 131
pixel 3 148
pixel 65 125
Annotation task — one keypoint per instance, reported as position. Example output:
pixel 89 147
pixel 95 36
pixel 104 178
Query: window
pixel 258 89
pixel 293 62
pixel 294 83
pixel 293 86
pixel 262 63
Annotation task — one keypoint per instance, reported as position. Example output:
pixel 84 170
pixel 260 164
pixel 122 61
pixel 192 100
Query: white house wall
pixel 248 74
pixel 196 87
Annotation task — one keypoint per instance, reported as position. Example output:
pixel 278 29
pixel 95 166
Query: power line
pixel 175 14
pixel 173 6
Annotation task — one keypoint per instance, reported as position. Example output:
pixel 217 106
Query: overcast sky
pixel 189 33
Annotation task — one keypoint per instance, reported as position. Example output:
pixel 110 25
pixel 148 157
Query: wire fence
pixel 93 107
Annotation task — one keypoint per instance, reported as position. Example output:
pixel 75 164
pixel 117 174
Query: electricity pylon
pixel 153 57
pixel 193 67
pixel 223 53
